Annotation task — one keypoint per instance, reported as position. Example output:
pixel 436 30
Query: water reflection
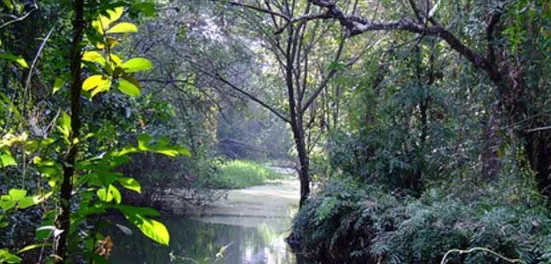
pixel 193 241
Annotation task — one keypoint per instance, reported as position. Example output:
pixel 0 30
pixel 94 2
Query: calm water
pixel 194 241
pixel 248 227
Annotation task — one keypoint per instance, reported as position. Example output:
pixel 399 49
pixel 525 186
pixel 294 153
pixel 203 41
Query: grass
pixel 238 174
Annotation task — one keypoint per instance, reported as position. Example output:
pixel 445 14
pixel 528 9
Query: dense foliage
pixel 421 126
pixel 353 224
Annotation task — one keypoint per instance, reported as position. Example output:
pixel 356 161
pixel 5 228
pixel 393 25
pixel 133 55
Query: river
pixel 247 227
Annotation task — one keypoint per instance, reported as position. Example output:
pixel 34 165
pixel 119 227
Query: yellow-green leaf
pixel 58 83
pixel 109 194
pixel 32 247
pixel 123 27
pixel 103 22
pixel 114 15
pixel 7 159
pixel 7 257
pixel 130 184
pixel 129 88
pixel 116 59
pixel 18 59
pixel 17 194
pixel 153 229
pixel 27 202
pixel 97 83
pixel 136 65
pixel 93 56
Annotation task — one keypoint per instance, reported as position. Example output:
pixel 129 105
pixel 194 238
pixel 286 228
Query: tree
pixel 297 42
pixel 510 70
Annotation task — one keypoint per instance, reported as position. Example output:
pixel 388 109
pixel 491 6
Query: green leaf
pixel 123 27
pixel 130 184
pixel 7 159
pixel 17 194
pixel 58 83
pixel 18 59
pixel 143 139
pixel 136 65
pixel 9 4
pixel 7 257
pixel 104 21
pixel 153 229
pixel 93 56
pixel 131 211
pixel 6 203
pixel 129 88
pixel 28 202
pixel 148 9
pixel 97 83
pixel 65 124
pixel 109 194
pixel 31 247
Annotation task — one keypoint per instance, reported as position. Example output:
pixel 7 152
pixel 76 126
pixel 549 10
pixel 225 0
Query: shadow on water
pixel 193 241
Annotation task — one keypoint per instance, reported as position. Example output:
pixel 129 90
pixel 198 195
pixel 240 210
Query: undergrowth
pixel 238 174
pixel 344 223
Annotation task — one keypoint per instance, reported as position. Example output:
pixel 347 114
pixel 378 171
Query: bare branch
pixel 252 97
pixel 260 9
pixel 357 25
pixel 325 81
pixel 538 129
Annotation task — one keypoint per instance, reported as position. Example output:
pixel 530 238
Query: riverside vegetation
pixel 418 129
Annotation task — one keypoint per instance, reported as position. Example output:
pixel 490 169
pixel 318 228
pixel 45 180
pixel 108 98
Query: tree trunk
pixel 63 219
pixel 304 163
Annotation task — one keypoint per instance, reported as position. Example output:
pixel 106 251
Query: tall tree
pixel 297 42
pixel 513 71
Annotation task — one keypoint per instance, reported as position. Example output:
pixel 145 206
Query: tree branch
pixel 260 9
pixel 357 25
pixel 252 97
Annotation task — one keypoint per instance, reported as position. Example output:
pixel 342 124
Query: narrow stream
pixel 249 227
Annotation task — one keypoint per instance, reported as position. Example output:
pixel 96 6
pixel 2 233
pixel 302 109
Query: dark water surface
pixel 248 227
pixel 194 241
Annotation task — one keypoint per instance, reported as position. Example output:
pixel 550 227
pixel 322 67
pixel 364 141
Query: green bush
pixel 347 224
pixel 237 174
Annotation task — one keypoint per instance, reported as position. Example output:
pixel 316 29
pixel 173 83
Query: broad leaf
pixel 17 194
pixel 7 159
pixel 129 88
pixel 104 21
pixel 7 257
pixel 123 27
pixel 58 83
pixel 93 56
pixel 136 65
pixel 130 184
pixel 97 83
pixel 6 203
pixel 18 59
pixel 109 194
pixel 130 211
pixel 28 202
pixel 153 229
pixel 116 59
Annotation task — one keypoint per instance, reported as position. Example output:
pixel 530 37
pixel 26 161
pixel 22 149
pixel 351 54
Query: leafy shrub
pixel 346 224
pixel 240 174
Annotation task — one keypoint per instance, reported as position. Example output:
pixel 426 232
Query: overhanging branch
pixel 357 25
